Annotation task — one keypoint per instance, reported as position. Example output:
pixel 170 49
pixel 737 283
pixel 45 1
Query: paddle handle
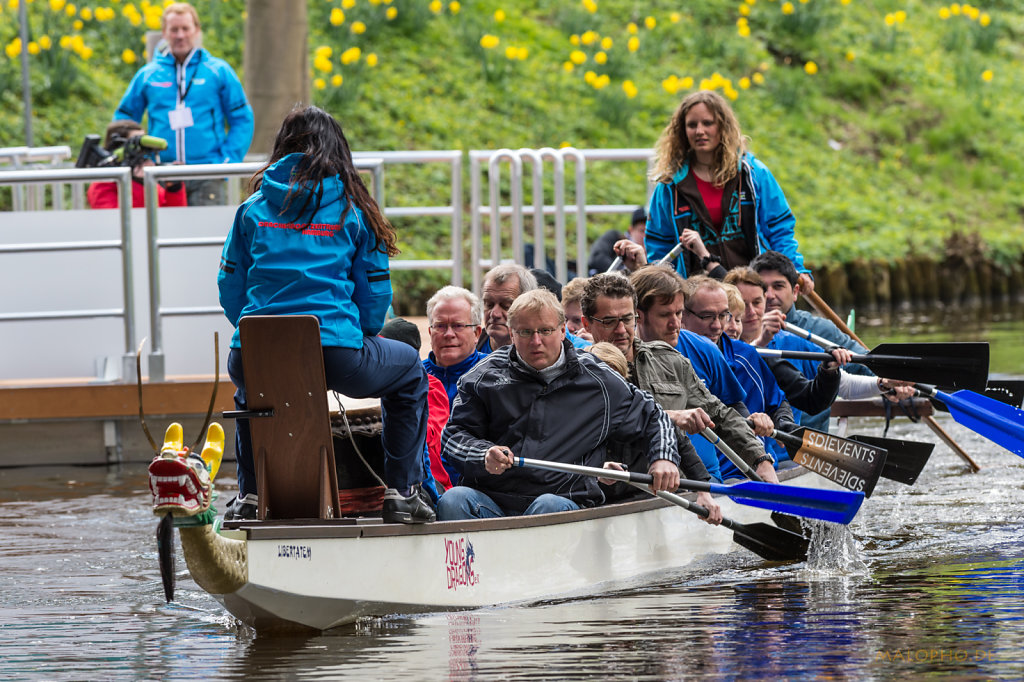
pixel 616 264
pixel 823 309
pixel 731 455
pixel 614 474
pixel 813 338
pixel 671 255
pixel 697 509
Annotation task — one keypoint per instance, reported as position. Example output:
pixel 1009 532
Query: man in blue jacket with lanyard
pixel 191 96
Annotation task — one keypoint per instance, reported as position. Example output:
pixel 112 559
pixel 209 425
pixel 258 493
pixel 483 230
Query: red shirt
pixel 437 417
pixel 712 197
pixel 104 195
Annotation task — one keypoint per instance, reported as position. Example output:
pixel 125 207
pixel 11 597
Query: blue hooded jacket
pixel 215 96
pixel 774 227
pixel 287 262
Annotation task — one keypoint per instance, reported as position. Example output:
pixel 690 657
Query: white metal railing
pixel 496 211
pixel 32 195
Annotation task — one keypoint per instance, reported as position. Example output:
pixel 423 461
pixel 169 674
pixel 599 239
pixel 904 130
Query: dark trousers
pixel 382 368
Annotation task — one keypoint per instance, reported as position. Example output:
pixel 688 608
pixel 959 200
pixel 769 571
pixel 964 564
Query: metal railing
pixel 518 207
pixel 123 178
pixel 32 195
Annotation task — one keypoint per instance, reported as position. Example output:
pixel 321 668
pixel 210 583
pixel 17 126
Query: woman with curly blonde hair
pixel 713 196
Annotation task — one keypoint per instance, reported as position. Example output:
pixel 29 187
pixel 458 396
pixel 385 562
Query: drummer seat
pixel 291 440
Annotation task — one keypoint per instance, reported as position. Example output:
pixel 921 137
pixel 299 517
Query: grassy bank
pixel 890 125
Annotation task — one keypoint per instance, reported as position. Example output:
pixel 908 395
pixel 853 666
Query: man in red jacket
pixel 104 194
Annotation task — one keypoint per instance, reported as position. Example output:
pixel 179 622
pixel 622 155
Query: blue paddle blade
pixel 837 506
pixel 1001 423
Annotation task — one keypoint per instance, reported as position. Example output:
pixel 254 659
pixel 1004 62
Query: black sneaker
pixel 413 509
pixel 242 509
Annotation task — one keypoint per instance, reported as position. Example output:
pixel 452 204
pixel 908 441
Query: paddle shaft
pixel 671 255
pixel 731 455
pixel 823 308
pixel 616 264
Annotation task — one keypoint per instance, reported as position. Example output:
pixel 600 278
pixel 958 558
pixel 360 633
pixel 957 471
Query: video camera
pixel 131 151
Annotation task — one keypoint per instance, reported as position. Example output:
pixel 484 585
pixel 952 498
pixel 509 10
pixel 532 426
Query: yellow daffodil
pixel 371 59
pixel 33 47
pixel 589 38
pixel 632 28
pixel 499 15
pixel 670 84
pixel 577 57
pixel 391 13
pixel 954 9
pixel 984 20
pixel 85 52
pixel 351 56
pixel 601 81
pixel 650 22
pixel 787 8
pixel 744 10
pixel 606 43
pixel 522 53
pixel 987 75
pixel 321 63
pixel 675 17
pixel 601 58
pixel 337 80
pixel 358 27
pixel 77 24
pixel 811 68
pixel 337 17
pixel 744 83
pixel 686 82
pixel 590 6
pixel 64 42
pixel 731 93
pixel 319 83
pixel 510 52
pixel 589 77
pixel 128 56
pixel 435 6
pixel 744 31
pixel 324 51
pixel 758 78
pixel 634 44
pixel 574 40
pixel 45 42
pixel 348 4
pixel 568 66
pixel 489 41
pixel 57 5
pixel 454 7
pixel 86 14
pixel 629 87
pixel 70 10
pixel 13 48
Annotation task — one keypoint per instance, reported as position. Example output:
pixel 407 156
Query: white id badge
pixel 180 118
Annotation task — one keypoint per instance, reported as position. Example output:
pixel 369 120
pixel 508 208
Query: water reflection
pixel 925 579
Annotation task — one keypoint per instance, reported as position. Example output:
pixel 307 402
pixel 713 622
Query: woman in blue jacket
pixel 717 200
pixel 310 240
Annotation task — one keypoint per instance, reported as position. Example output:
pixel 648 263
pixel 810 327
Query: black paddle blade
pixel 165 553
pixel 1009 391
pixel 904 458
pixel 956 365
pixel 791 524
pixel 769 542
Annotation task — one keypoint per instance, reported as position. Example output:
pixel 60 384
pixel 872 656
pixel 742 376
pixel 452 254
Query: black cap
pixel 545 279
pixel 639 216
pixel 401 330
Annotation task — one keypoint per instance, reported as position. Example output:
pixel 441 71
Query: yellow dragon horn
pixel 174 440
pixel 213 451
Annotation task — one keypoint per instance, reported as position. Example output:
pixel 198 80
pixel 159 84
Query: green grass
pixel 892 145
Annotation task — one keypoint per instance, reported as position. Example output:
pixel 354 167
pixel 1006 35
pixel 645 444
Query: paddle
pixel 904 459
pixel 614 267
pixel 853 465
pixel 731 455
pixel 959 365
pixel 764 540
pixel 671 255
pixel 1000 423
pixel 838 506
pixel 165 554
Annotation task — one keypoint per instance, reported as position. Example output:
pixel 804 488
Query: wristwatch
pixel 764 458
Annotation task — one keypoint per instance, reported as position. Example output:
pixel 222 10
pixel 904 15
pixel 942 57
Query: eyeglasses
pixel 711 317
pixel 613 322
pixel 456 327
pixel 528 333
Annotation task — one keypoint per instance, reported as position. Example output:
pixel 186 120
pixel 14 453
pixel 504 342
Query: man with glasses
pixel 705 312
pixel 538 398
pixel 609 306
pixel 455 315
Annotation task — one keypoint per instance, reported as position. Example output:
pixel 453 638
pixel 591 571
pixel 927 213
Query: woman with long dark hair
pixel 312 241
pixel 713 196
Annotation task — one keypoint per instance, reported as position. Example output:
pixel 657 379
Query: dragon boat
pixel 316 558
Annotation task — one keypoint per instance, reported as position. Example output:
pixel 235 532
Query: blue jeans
pixel 463 502
pixel 382 368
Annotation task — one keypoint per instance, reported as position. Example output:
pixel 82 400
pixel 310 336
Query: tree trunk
pixel 276 64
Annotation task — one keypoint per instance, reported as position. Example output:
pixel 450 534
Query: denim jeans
pixel 463 502
pixel 382 368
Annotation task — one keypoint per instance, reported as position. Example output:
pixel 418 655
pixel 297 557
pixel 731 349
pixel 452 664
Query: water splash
pixel 834 551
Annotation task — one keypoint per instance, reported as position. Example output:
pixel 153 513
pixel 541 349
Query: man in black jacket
pixel 538 398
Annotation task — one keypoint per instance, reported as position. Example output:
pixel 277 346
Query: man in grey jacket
pixel 609 313
pixel 538 398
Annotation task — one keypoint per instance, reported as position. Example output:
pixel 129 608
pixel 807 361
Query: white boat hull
pixel 323 576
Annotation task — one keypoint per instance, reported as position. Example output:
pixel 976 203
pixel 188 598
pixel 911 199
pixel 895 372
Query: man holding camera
pixel 125 144
pixel 191 96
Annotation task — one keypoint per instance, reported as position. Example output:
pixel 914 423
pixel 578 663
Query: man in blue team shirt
pixel 659 317
pixel 191 96
pixel 705 312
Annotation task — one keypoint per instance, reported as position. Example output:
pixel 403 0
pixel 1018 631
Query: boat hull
pixel 321 575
